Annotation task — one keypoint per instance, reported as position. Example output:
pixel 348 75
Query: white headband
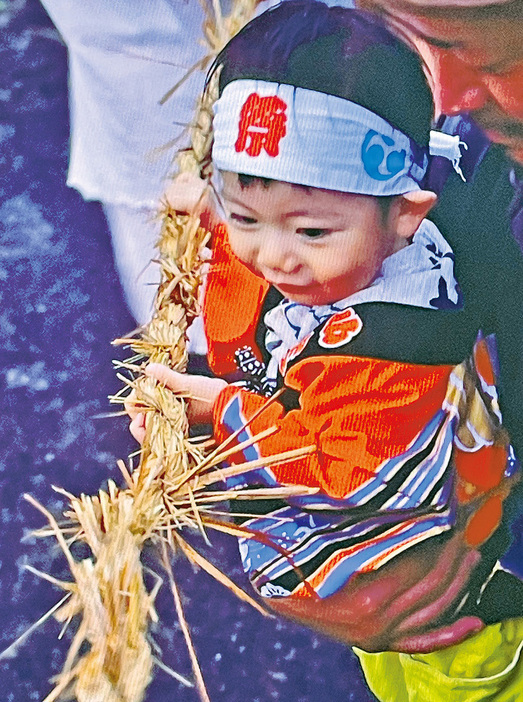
pixel 300 136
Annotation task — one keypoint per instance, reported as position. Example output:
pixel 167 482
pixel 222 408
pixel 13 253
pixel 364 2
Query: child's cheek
pixel 238 244
pixel 330 264
pixel 243 249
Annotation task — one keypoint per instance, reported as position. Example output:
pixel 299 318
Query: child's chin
pixel 300 298
pixel 309 300
pixel 302 295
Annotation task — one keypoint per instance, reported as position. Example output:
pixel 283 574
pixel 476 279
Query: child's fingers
pixel 171 379
pixel 201 390
pixel 439 638
pixel 187 193
pixel 131 405
pixel 137 427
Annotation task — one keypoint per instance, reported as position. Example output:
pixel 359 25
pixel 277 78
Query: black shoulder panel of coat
pixel 405 334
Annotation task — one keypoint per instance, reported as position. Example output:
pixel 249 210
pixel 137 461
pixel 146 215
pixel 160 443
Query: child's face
pixel 315 246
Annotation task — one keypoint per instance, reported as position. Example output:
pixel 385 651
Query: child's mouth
pixel 289 287
pixel 289 282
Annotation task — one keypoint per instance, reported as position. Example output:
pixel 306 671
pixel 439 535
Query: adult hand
pixel 398 607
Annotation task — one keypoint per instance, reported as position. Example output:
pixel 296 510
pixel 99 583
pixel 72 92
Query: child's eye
pixel 313 233
pixel 242 219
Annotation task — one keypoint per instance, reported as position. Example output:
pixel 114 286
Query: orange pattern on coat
pixel 358 412
pixel 232 302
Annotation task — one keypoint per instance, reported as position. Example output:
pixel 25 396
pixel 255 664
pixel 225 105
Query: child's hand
pixel 190 194
pixel 199 411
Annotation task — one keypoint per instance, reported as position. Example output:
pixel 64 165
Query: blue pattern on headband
pixel 377 149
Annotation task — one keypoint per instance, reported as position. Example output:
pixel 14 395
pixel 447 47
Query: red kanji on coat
pixel 340 329
pixel 262 125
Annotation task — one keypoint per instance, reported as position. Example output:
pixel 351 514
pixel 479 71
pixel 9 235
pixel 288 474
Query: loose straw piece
pixel 196 558
pixel 11 650
pixel 200 684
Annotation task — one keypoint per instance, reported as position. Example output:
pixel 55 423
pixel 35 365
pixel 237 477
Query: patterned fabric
pixel 370 510
pixel 302 136
pixel 387 432
pixel 325 540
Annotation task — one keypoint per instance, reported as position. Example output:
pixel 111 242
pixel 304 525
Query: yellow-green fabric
pixel 488 667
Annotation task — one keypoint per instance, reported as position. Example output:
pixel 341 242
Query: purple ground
pixel 61 306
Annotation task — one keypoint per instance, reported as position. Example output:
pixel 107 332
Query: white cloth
pixel 419 275
pixel 124 55
pixel 134 233
pixel 294 135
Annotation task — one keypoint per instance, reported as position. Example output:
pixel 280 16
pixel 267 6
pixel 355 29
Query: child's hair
pixel 333 50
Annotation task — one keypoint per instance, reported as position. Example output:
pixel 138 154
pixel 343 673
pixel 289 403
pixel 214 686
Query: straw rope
pixel 110 658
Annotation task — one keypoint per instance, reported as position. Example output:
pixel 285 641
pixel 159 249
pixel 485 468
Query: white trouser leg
pixel 134 234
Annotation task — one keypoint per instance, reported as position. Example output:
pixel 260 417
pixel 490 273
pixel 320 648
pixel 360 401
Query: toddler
pixel 328 283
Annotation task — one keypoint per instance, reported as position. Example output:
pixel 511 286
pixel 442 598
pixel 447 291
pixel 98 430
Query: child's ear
pixel 410 210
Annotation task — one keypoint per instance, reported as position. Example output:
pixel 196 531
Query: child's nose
pixel 458 87
pixel 276 254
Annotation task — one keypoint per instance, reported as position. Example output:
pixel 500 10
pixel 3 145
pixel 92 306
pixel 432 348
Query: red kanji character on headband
pixel 262 125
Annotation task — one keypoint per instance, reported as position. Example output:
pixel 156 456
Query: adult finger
pixel 454 567
pixel 357 613
pixel 439 638
pixel 437 608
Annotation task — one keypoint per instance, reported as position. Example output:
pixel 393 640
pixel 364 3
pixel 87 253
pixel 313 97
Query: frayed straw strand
pixel 11 650
pixel 200 684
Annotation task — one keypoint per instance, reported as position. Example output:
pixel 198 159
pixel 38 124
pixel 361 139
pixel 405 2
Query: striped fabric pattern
pixel 318 542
